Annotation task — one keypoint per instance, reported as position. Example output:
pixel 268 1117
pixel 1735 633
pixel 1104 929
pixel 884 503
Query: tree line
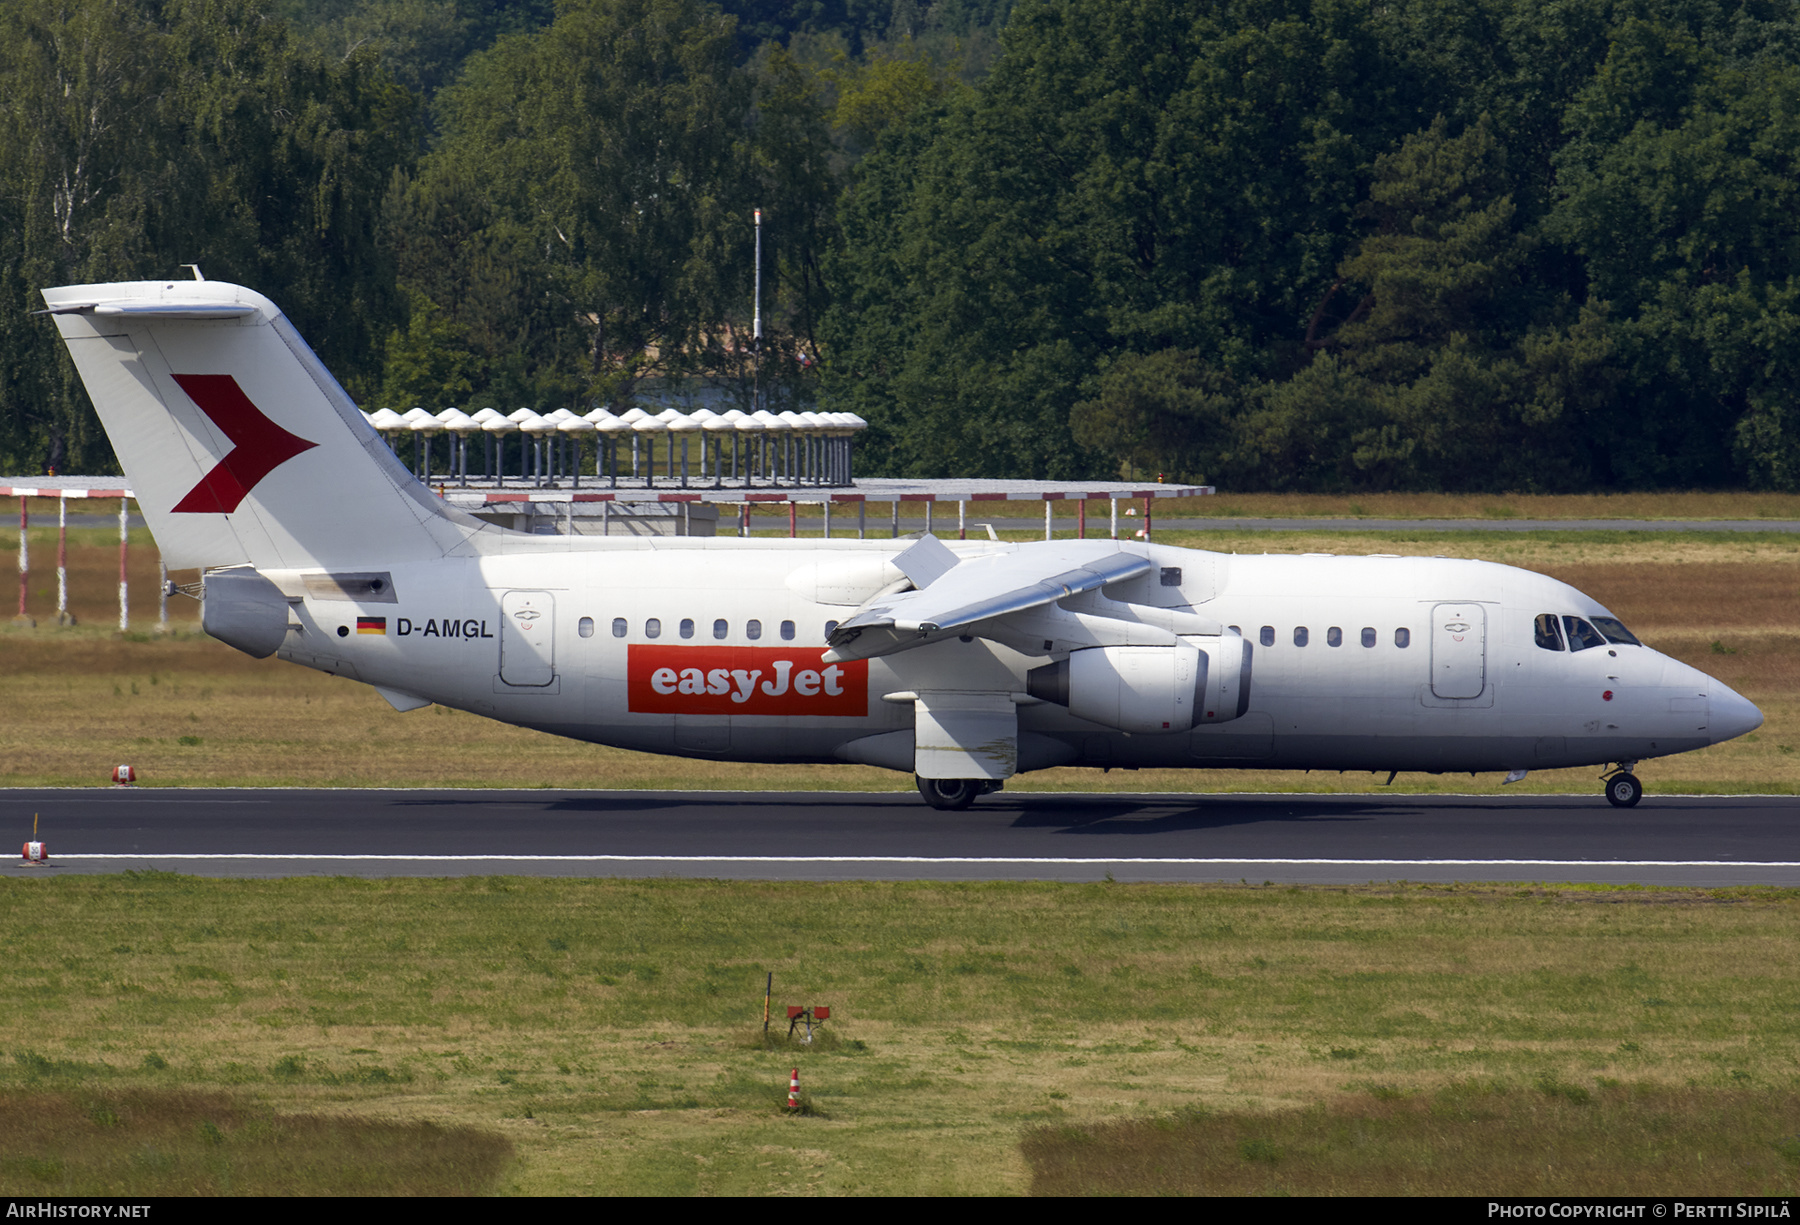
pixel 1274 244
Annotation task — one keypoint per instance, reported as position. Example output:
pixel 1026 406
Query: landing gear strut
pixel 953 794
pixel 1622 787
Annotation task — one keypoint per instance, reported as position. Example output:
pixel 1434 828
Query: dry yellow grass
pixel 1680 505
pixel 154 1142
pixel 1233 505
pixel 1551 1138
pixel 1544 551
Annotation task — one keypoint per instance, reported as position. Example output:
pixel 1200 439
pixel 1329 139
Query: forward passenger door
pixel 1458 650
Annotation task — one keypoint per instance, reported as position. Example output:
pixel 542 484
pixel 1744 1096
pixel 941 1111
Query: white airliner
pixel 961 663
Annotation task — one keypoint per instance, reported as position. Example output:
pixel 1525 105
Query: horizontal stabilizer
pixel 154 310
pixel 173 310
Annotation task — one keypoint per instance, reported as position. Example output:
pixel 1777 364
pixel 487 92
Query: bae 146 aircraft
pixel 961 663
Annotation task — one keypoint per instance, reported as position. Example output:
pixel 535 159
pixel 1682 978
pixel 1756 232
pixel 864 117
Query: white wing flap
pixel 980 589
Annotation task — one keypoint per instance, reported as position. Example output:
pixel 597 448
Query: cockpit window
pixel 1615 632
pixel 1582 635
pixel 1549 632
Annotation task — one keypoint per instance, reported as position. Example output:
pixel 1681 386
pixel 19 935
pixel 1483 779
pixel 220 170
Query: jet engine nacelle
pixel 1150 689
pixel 245 610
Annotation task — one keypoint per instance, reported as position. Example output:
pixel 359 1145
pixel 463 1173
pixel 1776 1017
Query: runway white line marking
pixel 948 859
pixel 170 795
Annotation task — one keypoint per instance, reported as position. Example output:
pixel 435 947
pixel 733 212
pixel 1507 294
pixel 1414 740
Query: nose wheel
pixel 1623 789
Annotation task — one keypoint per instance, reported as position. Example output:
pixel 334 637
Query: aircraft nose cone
pixel 1730 714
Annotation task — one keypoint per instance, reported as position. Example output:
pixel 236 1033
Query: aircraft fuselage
pixel 713 649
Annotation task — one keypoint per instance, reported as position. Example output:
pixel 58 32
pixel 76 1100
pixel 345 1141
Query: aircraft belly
pixel 760 745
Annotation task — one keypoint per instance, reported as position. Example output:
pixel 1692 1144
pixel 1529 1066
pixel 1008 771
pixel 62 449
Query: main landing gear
pixel 953 794
pixel 1622 787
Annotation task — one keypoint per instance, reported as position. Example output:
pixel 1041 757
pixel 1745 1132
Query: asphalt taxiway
pixel 1666 840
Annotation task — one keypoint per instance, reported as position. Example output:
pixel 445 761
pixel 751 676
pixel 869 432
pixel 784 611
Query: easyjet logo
pixel 718 680
pixel 259 446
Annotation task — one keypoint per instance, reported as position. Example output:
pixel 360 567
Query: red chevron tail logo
pixel 259 446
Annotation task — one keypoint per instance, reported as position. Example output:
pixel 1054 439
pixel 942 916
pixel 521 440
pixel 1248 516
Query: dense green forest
pixel 1273 244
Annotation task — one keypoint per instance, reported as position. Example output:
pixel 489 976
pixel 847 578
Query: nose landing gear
pixel 1622 787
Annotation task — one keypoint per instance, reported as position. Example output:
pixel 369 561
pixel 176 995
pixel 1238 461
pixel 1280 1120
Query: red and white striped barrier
pixel 62 489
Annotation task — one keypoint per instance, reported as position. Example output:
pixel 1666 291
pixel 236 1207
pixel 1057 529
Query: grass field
pixel 608 1032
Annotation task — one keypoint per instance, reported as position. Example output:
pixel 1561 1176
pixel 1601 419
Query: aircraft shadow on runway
pixel 1110 818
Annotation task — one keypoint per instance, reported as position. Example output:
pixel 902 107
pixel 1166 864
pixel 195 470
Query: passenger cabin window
pixel 1581 634
pixel 1549 632
pixel 1402 637
pixel 1267 637
pixel 620 629
pixel 830 628
pixel 787 631
pixel 753 630
pixel 1334 637
pixel 1300 635
pixel 687 627
pixel 1171 576
pixel 721 628
pixel 1368 635
pixel 585 627
pixel 653 628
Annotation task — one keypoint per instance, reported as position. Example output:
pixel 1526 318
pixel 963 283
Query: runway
pixel 1666 840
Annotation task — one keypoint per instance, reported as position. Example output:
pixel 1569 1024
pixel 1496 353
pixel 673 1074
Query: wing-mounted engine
pixel 1151 689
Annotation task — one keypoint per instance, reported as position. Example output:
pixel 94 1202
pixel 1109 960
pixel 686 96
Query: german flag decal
pixel 371 625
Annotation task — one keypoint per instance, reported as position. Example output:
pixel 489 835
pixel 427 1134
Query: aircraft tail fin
pixel 239 444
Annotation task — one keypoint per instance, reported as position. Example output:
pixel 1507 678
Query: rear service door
pixel 527 638
pixel 1458 650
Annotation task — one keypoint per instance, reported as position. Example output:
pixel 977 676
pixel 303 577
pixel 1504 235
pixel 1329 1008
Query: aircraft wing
pixel 980 589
